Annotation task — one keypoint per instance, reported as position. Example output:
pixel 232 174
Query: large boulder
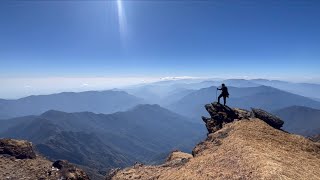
pixel 70 172
pixel 220 115
pixel 19 149
pixel 270 119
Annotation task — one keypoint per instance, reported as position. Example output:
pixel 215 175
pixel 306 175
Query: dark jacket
pixel 224 91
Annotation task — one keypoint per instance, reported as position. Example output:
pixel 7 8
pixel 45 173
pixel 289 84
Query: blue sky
pixel 277 39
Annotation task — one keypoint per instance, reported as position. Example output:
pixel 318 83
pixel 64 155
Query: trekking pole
pixel 216 94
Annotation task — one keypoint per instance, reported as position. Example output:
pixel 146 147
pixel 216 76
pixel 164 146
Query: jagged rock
pixel 211 124
pixel 220 115
pixel 112 173
pixel 19 149
pixel 243 113
pixel 69 172
pixel 270 119
pixel 220 112
pixel 315 138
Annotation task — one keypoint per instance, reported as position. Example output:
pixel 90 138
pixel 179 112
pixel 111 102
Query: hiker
pixel 224 94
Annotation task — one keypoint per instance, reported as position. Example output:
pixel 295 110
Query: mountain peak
pixel 147 106
pixel 155 108
pixel 50 113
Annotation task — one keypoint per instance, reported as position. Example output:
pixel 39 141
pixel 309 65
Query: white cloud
pixel 178 77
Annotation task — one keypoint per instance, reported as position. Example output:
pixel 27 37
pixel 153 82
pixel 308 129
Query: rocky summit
pixel 240 144
pixel 18 160
pixel 221 115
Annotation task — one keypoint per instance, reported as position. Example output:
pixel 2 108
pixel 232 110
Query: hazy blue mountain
pixel 158 92
pixel 264 97
pixel 93 101
pixel 166 92
pixel 300 120
pixel 144 132
pixel 83 149
pixel 236 83
pixel 304 89
pixel 175 95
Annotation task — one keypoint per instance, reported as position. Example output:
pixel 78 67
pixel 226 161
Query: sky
pixel 51 44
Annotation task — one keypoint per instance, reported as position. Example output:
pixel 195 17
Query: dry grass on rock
pixel 246 149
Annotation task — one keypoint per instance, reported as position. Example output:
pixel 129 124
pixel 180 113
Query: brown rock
pixel 19 161
pixel 70 172
pixel 178 155
pixel 19 149
pixel 269 118
pixel 220 115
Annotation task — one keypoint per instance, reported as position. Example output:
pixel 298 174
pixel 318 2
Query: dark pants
pixel 224 99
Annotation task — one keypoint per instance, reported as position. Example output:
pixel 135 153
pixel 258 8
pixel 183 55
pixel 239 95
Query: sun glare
pixel 122 19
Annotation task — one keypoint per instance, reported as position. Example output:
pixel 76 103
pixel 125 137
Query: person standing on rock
pixel 224 94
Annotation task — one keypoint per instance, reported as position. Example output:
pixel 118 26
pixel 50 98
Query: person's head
pixel 223 85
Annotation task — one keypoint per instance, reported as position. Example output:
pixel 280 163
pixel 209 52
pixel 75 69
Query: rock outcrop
pixel 69 171
pixel 221 115
pixel 18 160
pixel 18 148
pixel 270 119
pixel 238 146
pixel 316 138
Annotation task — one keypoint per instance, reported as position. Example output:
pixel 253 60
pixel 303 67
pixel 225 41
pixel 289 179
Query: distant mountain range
pixel 166 92
pixel 93 101
pixel 104 141
pixel 300 120
pixel 70 125
pixel 264 97
pixel 159 92
pixel 304 89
